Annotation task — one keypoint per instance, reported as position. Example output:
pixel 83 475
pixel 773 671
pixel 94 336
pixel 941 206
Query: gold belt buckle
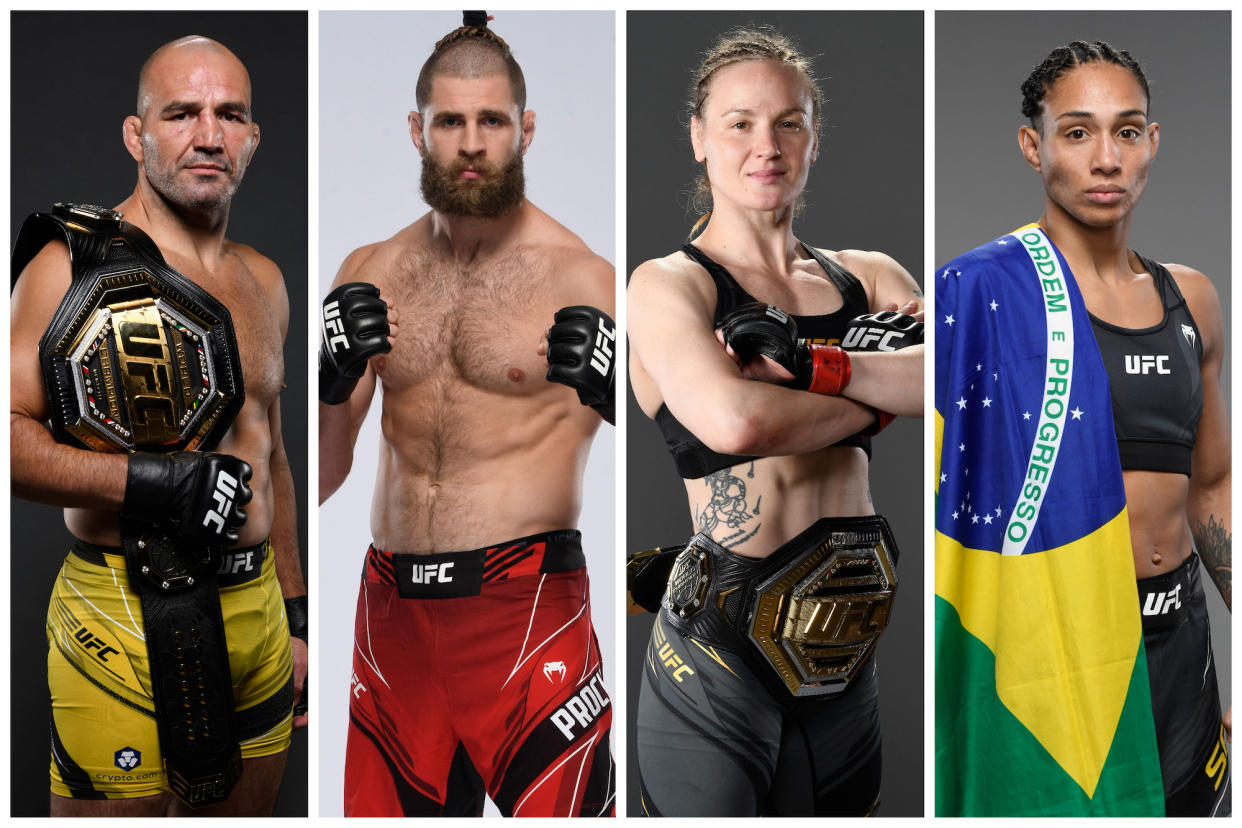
pixel 818 619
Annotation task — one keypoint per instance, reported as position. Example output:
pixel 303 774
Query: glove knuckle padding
pixel 581 354
pixel 198 492
pixel 758 329
pixel 355 328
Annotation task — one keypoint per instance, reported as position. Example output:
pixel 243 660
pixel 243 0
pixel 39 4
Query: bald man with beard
pixel 192 139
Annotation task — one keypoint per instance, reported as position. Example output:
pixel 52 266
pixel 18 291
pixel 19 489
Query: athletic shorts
pixel 1194 753
pixel 478 671
pixel 714 741
pixel 104 739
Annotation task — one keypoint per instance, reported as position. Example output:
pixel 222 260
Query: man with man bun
pixel 489 326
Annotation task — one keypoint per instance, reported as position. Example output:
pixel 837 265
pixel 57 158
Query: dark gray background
pixel 74 79
pixel 985 189
pixel 865 192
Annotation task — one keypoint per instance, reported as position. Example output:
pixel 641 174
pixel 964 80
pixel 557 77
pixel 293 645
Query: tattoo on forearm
pixel 1215 545
pixel 729 507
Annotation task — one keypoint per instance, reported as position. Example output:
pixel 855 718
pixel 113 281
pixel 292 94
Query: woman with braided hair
pixel 745 709
pixel 1109 400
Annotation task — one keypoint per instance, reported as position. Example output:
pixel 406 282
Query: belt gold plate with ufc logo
pixel 818 618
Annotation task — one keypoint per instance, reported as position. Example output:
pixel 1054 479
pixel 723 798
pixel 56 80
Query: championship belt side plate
pixel 817 619
pixel 137 356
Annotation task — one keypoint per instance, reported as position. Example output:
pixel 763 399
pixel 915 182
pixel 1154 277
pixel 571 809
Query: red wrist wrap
pixel 830 369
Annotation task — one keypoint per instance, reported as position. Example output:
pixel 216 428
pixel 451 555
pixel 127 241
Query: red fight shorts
pixel 478 671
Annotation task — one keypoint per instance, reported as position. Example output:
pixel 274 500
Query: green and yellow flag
pixel 1042 700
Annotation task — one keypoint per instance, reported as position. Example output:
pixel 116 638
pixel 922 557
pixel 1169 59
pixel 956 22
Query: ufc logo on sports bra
pixel 1159 603
pixel 436 573
pixel 332 325
pixel 1144 363
pixel 860 339
pixel 601 358
pixel 226 488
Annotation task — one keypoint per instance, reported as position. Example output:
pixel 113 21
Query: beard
pixel 499 190
pixel 204 197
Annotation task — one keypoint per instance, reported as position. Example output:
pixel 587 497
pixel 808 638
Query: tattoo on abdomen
pixel 1215 545
pixel 729 507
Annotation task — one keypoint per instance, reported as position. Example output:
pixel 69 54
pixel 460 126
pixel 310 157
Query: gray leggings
pixel 713 741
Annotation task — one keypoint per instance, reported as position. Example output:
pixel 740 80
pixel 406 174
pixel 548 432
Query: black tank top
pixel 692 458
pixel 1156 383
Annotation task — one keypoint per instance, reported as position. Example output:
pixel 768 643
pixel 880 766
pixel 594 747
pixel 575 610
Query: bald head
pixel 175 57
pixel 471 52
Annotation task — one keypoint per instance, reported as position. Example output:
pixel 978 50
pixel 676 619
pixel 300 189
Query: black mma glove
pixel 199 493
pixel 355 328
pixel 883 331
pixel 297 613
pixel 757 329
pixel 880 332
pixel 581 354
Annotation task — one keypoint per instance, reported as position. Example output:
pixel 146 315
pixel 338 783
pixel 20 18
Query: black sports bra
pixel 692 458
pixel 1156 384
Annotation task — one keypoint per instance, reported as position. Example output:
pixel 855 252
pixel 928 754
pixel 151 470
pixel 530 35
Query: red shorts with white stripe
pixel 478 671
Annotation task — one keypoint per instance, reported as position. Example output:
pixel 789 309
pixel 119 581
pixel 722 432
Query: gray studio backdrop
pixel 74 79
pixel 985 189
pixel 368 186
pixel 865 192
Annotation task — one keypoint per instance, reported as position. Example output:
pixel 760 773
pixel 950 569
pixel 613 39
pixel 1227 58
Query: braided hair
pixel 1063 58
pixel 471 51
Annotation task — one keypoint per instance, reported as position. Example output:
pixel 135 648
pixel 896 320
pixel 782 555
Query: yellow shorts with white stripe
pixel 104 739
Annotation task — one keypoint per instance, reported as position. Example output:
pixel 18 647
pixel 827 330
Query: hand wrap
pixel 199 493
pixel 582 355
pixel 355 328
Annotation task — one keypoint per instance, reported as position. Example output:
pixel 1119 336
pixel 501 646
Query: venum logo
pixel 576 715
pixel 601 358
pixel 432 573
pixel 226 488
pixel 333 329
pixel 128 758
pixel 554 668
pixel 1189 333
pixel 1144 363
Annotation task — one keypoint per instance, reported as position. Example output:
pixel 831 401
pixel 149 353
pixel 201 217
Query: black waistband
pixel 237 566
pixel 461 574
pixel 1164 599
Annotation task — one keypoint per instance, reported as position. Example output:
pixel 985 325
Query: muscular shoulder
pixel 1201 298
pixel 44 281
pixel 371 262
pixel 883 278
pixel 270 280
pixel 674 277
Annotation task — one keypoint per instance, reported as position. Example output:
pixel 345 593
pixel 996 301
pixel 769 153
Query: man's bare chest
pixel 256 326
pixel 483 326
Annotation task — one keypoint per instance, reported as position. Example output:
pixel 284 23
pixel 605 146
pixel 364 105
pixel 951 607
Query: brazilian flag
pixel 1042 701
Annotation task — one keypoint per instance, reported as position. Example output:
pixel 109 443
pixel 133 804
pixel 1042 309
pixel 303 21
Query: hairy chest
pixel 483 325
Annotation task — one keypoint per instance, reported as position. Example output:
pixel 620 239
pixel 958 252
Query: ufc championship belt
pixel 139 358
pixel 807 617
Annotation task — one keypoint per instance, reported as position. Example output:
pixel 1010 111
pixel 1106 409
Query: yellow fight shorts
pixel 104 739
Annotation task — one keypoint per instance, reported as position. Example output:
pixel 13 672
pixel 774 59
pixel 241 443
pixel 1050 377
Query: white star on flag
pixel 961 447
pixel 943 477
pixel 961 404
pixel 978 366
pixel 949 320
pixel 987 519
pixel 1077 414
pixel 1002 241
pixel 993 306
pixel 1026 415
pixel 987 403
pixel 998 511
pixel 974 518
pixel 955 515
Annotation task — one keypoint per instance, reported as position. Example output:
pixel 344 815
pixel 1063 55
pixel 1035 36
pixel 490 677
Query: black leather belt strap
pixel 237 566
pixel 191 684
